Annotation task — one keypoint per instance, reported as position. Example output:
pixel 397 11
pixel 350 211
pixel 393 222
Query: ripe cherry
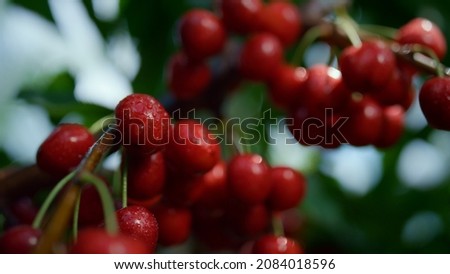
pixel 392 128
pixel 214 187
pixel 323 88
pixel 202 34
pixel 260 57
pixel 187 79
pixel 365 122
pixel 288 188
pixel 146 175
pixel 64 149
pixel 434 99
pixel 286 84
pixel 140 224
pixel 423 32
pixel 241 16
pixel 368 67
pixel 19 240
pixel 249 178
pixel 396 89
pixel 143 123
pixel 98 241
pixel 192 148
pixel 174 224
pixel 271 244
pixel 283 20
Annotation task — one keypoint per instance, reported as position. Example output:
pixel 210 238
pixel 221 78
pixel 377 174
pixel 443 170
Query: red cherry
pixel 396 89
pixel 271 244
pixel 283 20
pixel 323 88
pixel 392 128
pixel 288 188
pixel 202 34
pixel 187 79
pixel 434 99
pixel 311 127
pixel 249 178
pixel 241 16
pixel 143 123
pixel 214 187
pixel 365 122
pixel 175 224
pixel 423 32
pixel 368 67
pixel 98 241
pixel 286 84
pixel 192 148
pixel 146 175
pixel 260 57
pixel 64 149
pixel 140 224
pixel 91 208
pixel 19 240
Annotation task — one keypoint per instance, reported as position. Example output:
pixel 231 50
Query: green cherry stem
pixel 107 202
pixel 277 224
pixel 49 199
pixel 76 214
pixel 383 31
pixel 124 182
pixel 309 37
pixel 348 26
pixel 102 123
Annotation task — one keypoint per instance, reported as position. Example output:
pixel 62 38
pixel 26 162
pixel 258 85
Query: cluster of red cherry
pixel 178 186
pixel 362 102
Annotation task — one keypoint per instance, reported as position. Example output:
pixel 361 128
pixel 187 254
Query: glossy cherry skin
pixel 283 20
pixel 143 123
pixel 423 32
pixel 434 99
pixel 140 224
pixel 288 188
pixel 175 224
pixel 202 34
pixel 64 149
pixel 98 241
pixel 271 244
pixel 146 175
pixel 249 178
pixel 392 128
pixel 368 67
pixel 260 57
pixel 192 148
pixel 214 187
pixel 324 88
pixel 241 16
pixel 19 240
pixel 365 122
pixel 286 84
pixel 187 79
